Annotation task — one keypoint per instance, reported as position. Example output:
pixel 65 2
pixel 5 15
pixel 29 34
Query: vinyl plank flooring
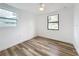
pixel 40 46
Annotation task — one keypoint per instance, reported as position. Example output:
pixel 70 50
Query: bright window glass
pixel 53 22
pixel 7 18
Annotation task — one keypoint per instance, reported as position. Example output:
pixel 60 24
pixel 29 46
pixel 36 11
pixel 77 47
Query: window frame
pixel 52 22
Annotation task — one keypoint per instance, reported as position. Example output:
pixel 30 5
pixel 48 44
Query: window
pixel 53 22
pixel 7 18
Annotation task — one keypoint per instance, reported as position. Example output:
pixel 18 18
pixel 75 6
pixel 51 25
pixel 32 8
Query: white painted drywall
pixel 76 27
pixel 65 32
pixel 10 36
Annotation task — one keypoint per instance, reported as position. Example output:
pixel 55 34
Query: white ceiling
pixel 34 7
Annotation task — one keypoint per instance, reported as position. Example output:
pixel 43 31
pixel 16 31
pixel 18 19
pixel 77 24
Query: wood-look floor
pixel 40 47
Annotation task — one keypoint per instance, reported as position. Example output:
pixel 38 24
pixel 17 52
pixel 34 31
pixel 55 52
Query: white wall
pixel 24 30
pixel 65 32
pixel 76 27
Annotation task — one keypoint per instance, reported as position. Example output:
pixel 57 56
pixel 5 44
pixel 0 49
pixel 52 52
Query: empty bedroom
pixel 39 29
